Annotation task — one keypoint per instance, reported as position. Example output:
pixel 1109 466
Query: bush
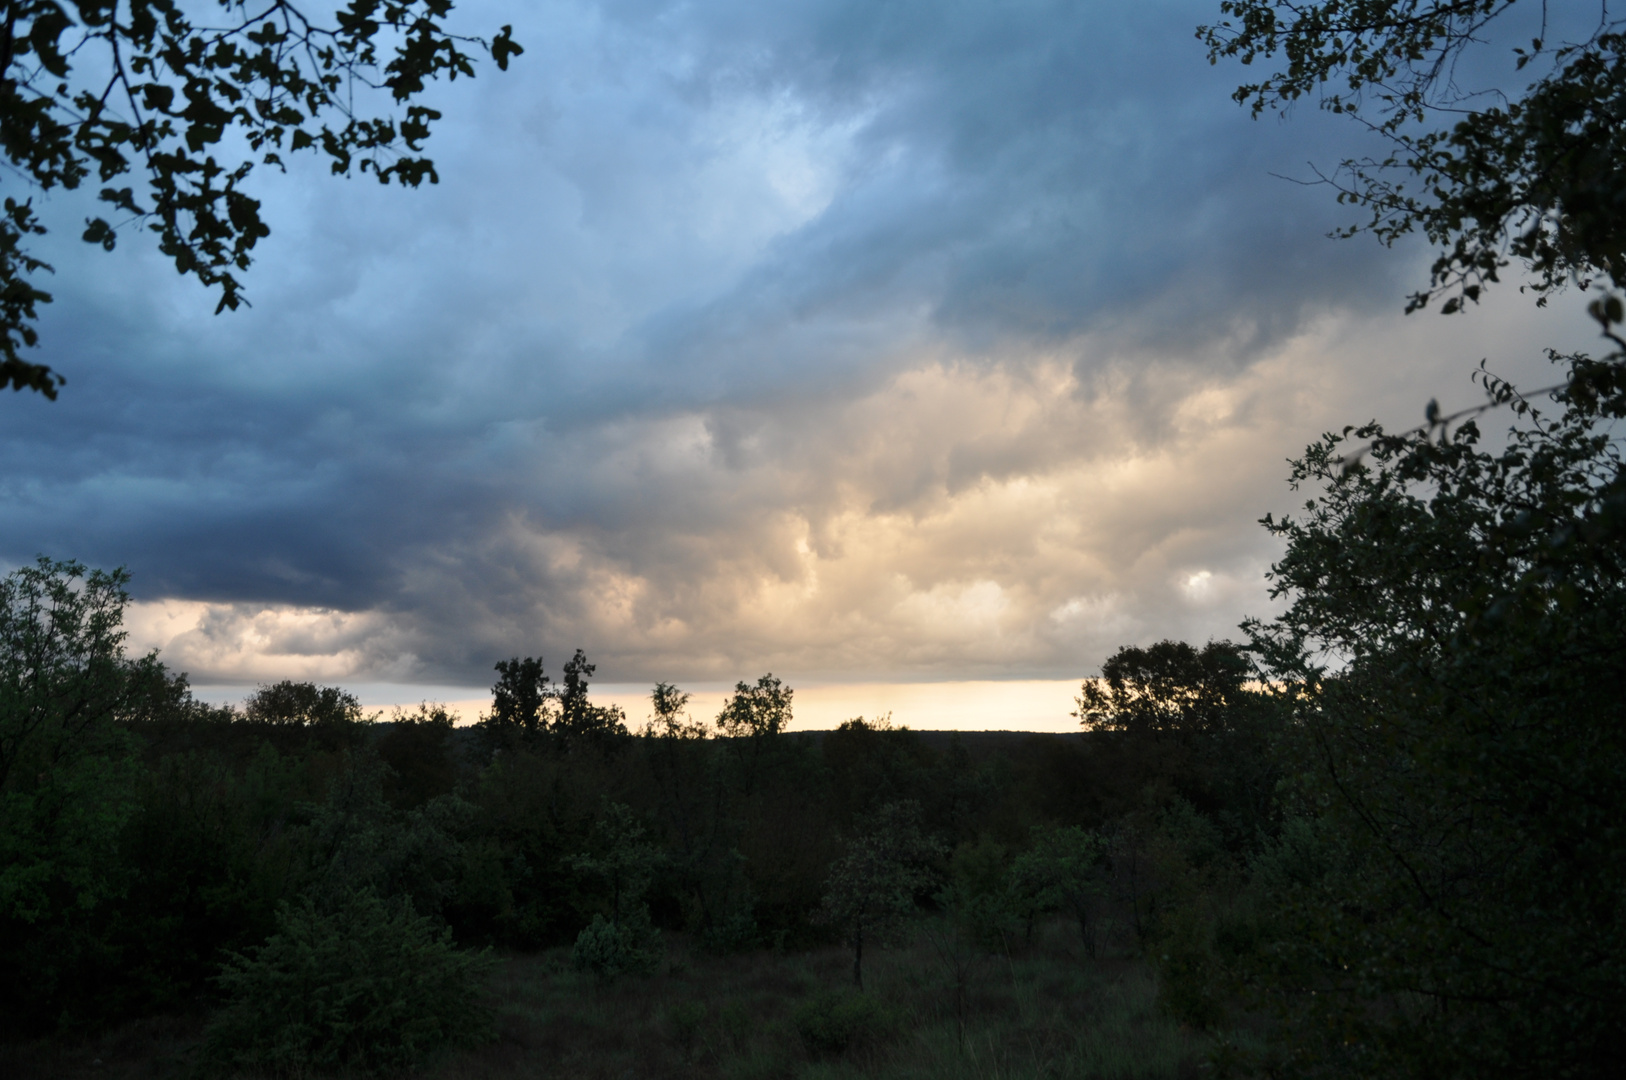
pixel 609 949
pixel 735 932
pixel 683 1020
pixel 840 1020
pixel 369 987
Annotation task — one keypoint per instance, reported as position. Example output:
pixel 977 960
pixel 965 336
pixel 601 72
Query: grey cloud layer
pixel 736 335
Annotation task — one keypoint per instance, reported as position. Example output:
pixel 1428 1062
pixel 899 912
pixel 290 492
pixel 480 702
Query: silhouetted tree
pixel 521 696
pixel 756 711
pixel 302 704
pixel 62 666
pixel 66 773
pixel 324 716
pixel 670 718
pixel 750 720
pixel 680 761
pixel 578 718
pixel 1450 899
pixel 1170 688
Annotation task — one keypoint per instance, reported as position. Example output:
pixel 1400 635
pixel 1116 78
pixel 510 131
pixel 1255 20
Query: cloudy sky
pixel 884 345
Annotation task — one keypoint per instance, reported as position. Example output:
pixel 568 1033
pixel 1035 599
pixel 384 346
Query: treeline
pixel 148 837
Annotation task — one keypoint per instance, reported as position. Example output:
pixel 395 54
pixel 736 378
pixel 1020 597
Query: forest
pixel 1379 837
pixel 281 871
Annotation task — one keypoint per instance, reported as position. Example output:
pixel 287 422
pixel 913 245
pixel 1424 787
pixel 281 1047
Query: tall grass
pixel 1039 1011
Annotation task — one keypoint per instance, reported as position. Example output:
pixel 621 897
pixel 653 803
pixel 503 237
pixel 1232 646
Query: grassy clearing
pixel 156 1048
pixel 1043 1011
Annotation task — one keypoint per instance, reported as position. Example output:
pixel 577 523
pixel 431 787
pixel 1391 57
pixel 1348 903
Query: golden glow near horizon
pixel 1017 705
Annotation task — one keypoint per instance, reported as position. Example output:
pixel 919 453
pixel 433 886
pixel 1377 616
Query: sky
pixel 922 354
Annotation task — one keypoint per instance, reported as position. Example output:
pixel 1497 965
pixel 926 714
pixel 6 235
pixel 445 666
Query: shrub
pixel 840 1020
pixel 683 1022
pixel 368 987
pixel 609 949
pixel 735 932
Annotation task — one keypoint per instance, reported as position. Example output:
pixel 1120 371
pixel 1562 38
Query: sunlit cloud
pixel 966 519
pixel 248 643
pixel 870 345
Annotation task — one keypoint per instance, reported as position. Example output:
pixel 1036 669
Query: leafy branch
pixel 174 94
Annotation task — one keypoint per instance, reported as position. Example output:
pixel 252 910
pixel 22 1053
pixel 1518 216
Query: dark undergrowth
pixel 1039 1010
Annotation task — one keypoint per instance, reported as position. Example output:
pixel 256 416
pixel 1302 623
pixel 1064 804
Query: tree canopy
pixel 1529 172
pixel 524 702
pixel 1446 899
pixel 1168 688
pixel 171 111
pixel 1444 895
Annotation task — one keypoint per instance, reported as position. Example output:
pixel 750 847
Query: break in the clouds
pixel 848 340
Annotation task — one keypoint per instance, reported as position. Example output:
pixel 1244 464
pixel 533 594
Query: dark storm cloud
pixel 647 370
pixel 1038 169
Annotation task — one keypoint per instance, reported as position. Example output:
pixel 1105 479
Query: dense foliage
pixel 1445 895
pixel 1524 169
pixel 366 987
pixel 1450 900
pixel 160 97
pixel 151 839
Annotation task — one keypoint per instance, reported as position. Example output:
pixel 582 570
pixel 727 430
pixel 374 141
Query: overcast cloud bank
pixel 854 342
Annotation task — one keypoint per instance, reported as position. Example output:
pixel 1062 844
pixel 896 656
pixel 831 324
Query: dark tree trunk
pixel 858 957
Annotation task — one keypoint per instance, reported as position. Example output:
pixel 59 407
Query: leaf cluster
pixel 171 111
pixel 1532 175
